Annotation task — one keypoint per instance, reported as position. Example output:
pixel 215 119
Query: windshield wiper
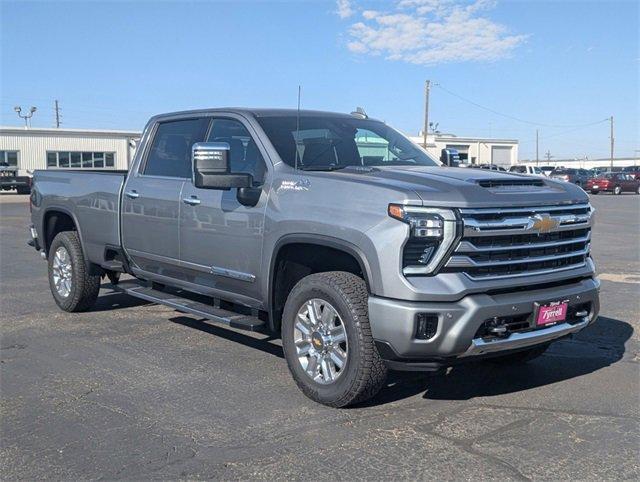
pixel 321 168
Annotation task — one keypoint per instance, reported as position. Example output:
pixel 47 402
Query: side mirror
pixel 210 164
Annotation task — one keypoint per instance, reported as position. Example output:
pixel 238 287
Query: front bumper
pixel 7 182
pixel 393 324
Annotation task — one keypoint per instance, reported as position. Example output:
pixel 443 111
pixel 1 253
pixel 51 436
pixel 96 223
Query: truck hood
pixel 463 187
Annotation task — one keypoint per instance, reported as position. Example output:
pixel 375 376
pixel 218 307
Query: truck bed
pixel 90 197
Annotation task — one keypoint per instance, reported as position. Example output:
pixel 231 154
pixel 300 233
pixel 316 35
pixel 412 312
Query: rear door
pixel 628 183
pixel 220 239
pixel 151 200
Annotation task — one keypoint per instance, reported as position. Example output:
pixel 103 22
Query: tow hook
pixel 497 327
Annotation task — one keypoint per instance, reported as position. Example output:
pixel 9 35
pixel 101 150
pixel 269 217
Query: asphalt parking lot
pixel 138 391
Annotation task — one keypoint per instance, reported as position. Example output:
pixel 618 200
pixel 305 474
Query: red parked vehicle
pixel 615 182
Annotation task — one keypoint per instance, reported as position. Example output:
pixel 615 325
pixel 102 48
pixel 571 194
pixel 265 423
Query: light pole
pixel 26 117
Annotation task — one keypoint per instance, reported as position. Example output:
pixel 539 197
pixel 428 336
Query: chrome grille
pixel 508 242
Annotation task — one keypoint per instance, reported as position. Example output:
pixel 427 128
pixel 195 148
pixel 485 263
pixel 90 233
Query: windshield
pixel 335 142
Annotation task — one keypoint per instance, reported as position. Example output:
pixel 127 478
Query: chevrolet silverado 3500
pixel 335 232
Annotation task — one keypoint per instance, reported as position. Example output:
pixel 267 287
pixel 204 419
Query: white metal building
pixel 473 150
pixel 36 148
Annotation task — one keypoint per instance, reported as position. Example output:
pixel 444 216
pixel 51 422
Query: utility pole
pixel 537 156
pixel 57 109
pixel 426 111
pixel 611 121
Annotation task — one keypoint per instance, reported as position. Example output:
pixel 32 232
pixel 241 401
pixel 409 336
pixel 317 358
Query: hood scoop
pixel 510 183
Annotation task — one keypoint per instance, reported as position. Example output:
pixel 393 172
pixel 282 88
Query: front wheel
pixel 72 286
pixel 327 340
pixel 617 190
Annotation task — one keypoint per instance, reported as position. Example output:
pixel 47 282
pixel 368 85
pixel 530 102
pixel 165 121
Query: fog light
pixel 426 325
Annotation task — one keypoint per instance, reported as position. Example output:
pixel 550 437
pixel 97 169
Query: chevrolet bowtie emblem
pixel 543 223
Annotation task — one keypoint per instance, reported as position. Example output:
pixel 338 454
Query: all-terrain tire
pixel 520 357
pixel 364 371
pixel 84 287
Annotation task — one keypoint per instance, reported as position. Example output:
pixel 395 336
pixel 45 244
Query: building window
pixel 81 160
pixel 9 158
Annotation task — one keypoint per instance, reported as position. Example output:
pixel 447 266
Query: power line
pixel 513 117
pixel 543 137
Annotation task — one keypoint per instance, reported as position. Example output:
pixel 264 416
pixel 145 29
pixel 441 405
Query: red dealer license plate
pixel 552 313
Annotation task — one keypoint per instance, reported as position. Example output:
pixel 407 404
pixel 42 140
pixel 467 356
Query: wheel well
pixel 295 261
pixel 55 222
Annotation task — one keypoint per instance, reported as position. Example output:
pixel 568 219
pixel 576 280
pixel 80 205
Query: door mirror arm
pixel 249 196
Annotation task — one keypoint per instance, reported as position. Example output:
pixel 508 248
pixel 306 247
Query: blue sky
pixel 556 65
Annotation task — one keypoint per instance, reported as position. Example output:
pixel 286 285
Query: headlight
pixel 432 233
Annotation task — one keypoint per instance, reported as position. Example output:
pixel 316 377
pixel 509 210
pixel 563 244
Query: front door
pixel 151 201
pixel 220 239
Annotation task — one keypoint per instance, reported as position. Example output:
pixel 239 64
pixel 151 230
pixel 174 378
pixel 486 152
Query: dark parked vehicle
pixel 333 231
pixel 632 170
pixel 9 179
pixel 617 183
pixel 574 176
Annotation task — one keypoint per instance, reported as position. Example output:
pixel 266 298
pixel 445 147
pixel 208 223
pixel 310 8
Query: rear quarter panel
pixel 92 199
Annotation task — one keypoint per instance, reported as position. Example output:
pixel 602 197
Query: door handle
pixel 133 194
pixel 192 201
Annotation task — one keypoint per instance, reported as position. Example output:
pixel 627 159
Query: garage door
pixel 501 156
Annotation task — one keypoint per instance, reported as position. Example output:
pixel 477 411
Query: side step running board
pixel 173 299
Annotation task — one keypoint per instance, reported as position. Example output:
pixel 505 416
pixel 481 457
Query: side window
pixel 244 154
pixel 170 153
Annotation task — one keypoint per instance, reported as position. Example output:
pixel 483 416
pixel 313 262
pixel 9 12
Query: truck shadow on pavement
pixel 264 344
pixel 115 300
pixel 598 346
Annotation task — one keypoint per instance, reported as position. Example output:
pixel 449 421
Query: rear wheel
pixel 72 286
pixel 520 357
pixel 327 340
pixel 617 190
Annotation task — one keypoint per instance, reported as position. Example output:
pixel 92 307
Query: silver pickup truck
pixel 333 231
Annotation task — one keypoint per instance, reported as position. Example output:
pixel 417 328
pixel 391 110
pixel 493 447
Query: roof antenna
pixel 298 128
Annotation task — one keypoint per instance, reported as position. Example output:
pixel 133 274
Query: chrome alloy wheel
pixel 321 341
pixel 62 271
